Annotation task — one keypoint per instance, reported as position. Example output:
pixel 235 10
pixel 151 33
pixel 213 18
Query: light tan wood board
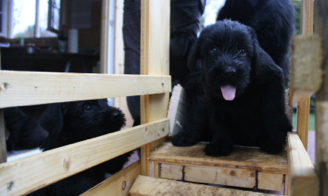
pixel 118 184
pixel 242 158
pixel 29 88
pixel 28 174
pixel 148 186
pixel 154 60
pixel 269 181
pixel 303 179
pixel 172 172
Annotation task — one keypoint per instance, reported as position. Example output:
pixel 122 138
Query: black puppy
pixel 244 90
pixel 72 122
pixel 25 131
pixel 273 22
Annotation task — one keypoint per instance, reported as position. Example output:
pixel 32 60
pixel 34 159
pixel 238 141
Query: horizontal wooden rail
pixel 32 173
pixel 303 179
pixel 33 88
pixel 118 184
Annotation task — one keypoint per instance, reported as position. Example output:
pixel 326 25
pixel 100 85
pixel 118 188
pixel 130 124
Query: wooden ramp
pixel 245 167
pixel 148 186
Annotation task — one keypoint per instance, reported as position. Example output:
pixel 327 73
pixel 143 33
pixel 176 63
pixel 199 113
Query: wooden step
pixel 149 186
pixel 245 167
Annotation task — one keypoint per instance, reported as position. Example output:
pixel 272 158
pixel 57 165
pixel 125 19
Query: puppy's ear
pixel 52 119
pixel 193 56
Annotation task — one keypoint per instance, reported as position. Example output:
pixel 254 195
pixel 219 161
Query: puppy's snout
pixel 230 72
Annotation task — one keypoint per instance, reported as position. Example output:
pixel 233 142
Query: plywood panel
pixel 242 158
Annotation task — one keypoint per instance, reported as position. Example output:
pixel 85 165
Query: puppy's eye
pixel 87 108
pixel 242 52
pixel 213 49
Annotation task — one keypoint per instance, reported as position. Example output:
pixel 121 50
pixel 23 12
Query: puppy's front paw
pixel 182 139
pixel 217 151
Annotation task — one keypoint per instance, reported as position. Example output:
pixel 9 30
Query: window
pixel 30 19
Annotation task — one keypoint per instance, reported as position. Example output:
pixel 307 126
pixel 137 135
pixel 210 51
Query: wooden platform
pixel 245 167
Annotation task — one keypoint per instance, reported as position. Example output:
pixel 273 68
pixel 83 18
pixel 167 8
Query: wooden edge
pixel 303 179
pixel 3 148
pixel 149 186
pixel 303 116
pixel 104 36
pixel 270 181
pixel 32 88
pixel 37 171
pixel 118 184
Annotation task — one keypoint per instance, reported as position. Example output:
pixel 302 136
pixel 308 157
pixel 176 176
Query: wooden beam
pixel 104 36
pixel 307 17
pixel 3 148
pixel 118 184
pixel 154 60
pixel 321 29
pixel 32 173
pixel 270 181
pixel 32 88
pixel 172 172
pixel 148 186
pixel 303 179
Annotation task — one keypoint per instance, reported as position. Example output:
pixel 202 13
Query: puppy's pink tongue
pixel 228 92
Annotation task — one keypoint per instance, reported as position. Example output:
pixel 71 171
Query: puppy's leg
pixel 275 122
pixel 221 141
pixel 196 123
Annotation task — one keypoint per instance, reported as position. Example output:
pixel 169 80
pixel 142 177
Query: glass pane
pixel 23 18
pixel 43 20
pixel 55 13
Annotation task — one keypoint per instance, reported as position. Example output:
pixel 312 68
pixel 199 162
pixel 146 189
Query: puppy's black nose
pixel 230 72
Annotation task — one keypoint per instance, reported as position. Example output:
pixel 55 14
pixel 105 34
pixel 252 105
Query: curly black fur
pixel 25 131
pixel 72 122
pixel 230 55
pixel 273 22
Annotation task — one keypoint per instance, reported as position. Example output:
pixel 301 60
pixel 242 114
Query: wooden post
pixel 104 36
pixel 321 29
pixel 3 148
pixel 154 60
pixel 303 108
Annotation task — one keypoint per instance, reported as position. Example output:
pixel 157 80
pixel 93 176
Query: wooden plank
pixel 148 186
pixel 287 185
pixel 28 174
pixel 303 115
pixel 221 176
pixel 104 36
pixel 321 29
pixel 307 17
pixel 31 88
pixel 154 60
pixel 172 172
pixel 306 73
pixel 3 149
pixel 241 158
pixel 303 179
pixel 118 184
pixel 270 181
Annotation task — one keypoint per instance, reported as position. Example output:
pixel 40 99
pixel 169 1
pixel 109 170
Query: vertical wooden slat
pixel 154 60
pixel 104 36
pixel 321 29
pixel 3 148
pixel 303 109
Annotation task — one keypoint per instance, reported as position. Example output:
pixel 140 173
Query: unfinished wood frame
pixel 302 176
pixel 154 60
pixel 28 174
pixel 30 88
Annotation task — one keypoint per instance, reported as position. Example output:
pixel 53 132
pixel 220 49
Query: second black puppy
pixel 72 122
pixel 244 90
